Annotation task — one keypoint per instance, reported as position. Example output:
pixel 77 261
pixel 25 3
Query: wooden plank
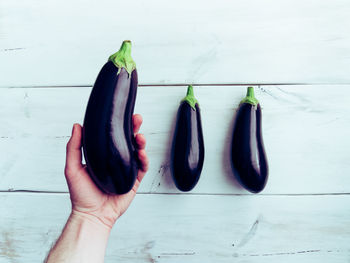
pixel 185 228
pixel 254 41
pixel 304 129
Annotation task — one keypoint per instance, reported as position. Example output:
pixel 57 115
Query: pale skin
pixel 85 235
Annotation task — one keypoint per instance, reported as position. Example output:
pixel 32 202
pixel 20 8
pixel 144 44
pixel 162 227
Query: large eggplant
pixel 188 146
pixel 108 138
pixel 249 162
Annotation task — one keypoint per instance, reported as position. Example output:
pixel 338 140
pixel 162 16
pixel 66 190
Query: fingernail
pixel 73 129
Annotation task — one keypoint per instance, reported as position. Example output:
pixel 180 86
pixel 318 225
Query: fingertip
pixel 137 121
pixel 143 160
pixel 142 154
pixel 76 128
pixel 140 140
pixel 138 118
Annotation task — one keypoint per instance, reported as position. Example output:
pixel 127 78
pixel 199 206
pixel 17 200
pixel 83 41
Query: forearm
pixel 83 239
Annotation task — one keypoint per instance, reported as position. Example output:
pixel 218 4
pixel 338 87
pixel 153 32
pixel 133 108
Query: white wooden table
pixel 297 55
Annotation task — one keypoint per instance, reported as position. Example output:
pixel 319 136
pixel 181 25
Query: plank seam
pixel 188 194
pixel 183 84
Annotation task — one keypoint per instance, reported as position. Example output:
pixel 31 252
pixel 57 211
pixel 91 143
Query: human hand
pixel 87 199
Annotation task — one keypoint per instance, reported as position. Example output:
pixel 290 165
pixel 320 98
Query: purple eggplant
pixel 188 146
pixel 108 138
pixel 248 157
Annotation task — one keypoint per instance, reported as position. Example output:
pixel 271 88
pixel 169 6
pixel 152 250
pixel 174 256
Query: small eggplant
pixel 188 146
pixel 108 138
pixel 248 157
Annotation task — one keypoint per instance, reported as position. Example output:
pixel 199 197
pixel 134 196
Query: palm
pixel 85 195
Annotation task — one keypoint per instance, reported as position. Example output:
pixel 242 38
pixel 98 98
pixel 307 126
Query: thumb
pixel 73 150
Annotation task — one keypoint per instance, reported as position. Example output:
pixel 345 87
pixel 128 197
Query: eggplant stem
pixel 123 59
pixel 250 98
pixel 190 99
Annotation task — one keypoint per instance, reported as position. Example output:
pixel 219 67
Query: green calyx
pixel 250 98
pixel 123 59
pixel 190 99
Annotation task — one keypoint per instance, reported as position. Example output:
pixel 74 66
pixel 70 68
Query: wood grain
pixel 301 216
pixel 183 228
pixel 243 41
pixel 304 129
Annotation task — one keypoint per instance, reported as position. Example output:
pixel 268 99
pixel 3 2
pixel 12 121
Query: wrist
pixel 83 239
pixel 91 220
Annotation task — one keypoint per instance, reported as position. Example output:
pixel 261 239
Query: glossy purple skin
pixel 188 148
pixel 108 138
pixel 249 162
